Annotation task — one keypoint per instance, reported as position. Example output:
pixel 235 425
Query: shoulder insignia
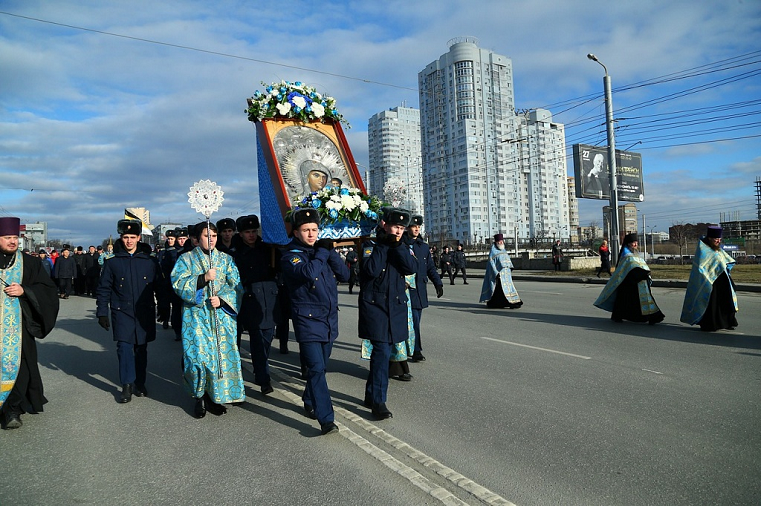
pixel 295 260
pixel 367 252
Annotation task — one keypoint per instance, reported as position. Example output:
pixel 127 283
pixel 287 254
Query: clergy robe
pixel 209 335
pixel 23 319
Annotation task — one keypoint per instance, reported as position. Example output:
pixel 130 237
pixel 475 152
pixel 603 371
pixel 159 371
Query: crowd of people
pixel 214 282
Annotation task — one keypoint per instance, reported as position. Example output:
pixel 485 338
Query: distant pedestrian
pixel 627 293
pixel 710 300
pixel 604 252
pixel 445 263
pixel 352 262
pixel 498 290
pixel 557 255
pixel 65 272
pixel 459 261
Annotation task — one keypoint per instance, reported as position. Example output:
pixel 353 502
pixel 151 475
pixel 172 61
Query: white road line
pixel 285 386
pixel 654 372
pixel 537 348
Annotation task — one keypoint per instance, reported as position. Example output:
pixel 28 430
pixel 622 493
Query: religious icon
pixel 306 157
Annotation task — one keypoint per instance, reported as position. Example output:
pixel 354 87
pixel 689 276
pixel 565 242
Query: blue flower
pixel 333 213
pixel 298 83
pixel 344 191
pixel 316 203
pixel 257 93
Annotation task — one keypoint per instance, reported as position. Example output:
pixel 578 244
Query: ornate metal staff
pixel 206 197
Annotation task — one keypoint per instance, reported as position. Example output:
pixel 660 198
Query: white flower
pixel 299 102
pixel 318 110
pixel 335 198
pixel 333 205
pixel 348 202
pixel 283 109
pixel 363 206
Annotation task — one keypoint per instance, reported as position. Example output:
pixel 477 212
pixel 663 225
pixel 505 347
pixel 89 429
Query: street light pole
pixel 614 237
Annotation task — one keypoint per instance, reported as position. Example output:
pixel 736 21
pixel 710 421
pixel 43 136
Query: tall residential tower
pixel 487 169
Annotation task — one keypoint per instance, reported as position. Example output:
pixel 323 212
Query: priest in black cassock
pixel 28 310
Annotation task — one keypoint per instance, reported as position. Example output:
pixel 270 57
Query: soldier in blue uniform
pixel 383 303
pixel 259 311
pixel 426 269
pixel 126 289
pixel 226 230
pixel 310 269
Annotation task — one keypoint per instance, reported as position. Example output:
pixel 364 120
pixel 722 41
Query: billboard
pixel 592 175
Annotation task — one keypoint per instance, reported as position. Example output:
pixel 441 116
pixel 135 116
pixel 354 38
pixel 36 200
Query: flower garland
pixel 336 204
pixel 292 100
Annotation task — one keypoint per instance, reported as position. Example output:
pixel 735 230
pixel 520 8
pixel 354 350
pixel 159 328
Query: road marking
pixel 537 348
pixel 285 386
pixel 654 372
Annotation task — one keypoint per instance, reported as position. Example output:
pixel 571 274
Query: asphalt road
pixel 552 403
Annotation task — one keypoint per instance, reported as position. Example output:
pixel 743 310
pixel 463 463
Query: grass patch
pixel 741 273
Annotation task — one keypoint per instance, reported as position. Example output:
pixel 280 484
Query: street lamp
pixel 611 163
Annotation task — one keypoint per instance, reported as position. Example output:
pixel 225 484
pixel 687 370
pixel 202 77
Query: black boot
pixel 12 419
pixel 381 412
pixel 126 395
pixel 199 411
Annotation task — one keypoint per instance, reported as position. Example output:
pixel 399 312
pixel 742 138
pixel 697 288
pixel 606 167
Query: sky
pixel 106 105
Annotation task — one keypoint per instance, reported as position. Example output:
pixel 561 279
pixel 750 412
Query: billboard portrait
pixel 592 174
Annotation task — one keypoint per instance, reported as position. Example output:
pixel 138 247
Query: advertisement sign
pixel 590 168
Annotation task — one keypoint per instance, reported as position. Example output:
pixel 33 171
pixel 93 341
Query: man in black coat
pixel 172 310
pixel 446 264
pixel 426 270
pixel 460 263
pixel 128 283
pixel 259 312
pixel 383 303
pixel 27 295
pixel 65 271
pixel 92 271
pixel 352 262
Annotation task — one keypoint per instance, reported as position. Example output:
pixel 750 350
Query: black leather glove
pixel 324 243
pixel 392 241
pixel 103 322
pixel 439 291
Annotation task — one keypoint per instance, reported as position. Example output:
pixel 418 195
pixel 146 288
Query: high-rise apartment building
pixel 487 169
pixel 395 171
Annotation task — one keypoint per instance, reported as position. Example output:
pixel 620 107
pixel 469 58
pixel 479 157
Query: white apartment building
pixel 486 169
pixel 395 171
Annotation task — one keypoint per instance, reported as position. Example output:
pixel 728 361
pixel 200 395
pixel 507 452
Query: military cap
pixel 416 220
pixel 303 216
pixel 66 246
pixel 9 226
pixel 396 216
pixel 170 233
pixel 226 224
pixel 191 230
pixel 134 227
pixel 714 232
pixel 182 232
pixel 79 248
pixel 250 222
pixel 99 248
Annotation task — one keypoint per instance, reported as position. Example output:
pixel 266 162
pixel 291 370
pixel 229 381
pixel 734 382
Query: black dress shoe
pixel 381 412
pixel 417 357
pixel 309 411
pixel 126 395
pixel 267 389
pixel 328 428
pixel 284 350
pixel 199 411
pixel 405 377
pixel 140 391
pixel 12 420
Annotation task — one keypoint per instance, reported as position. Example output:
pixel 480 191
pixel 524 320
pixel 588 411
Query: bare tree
pixel 679 232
